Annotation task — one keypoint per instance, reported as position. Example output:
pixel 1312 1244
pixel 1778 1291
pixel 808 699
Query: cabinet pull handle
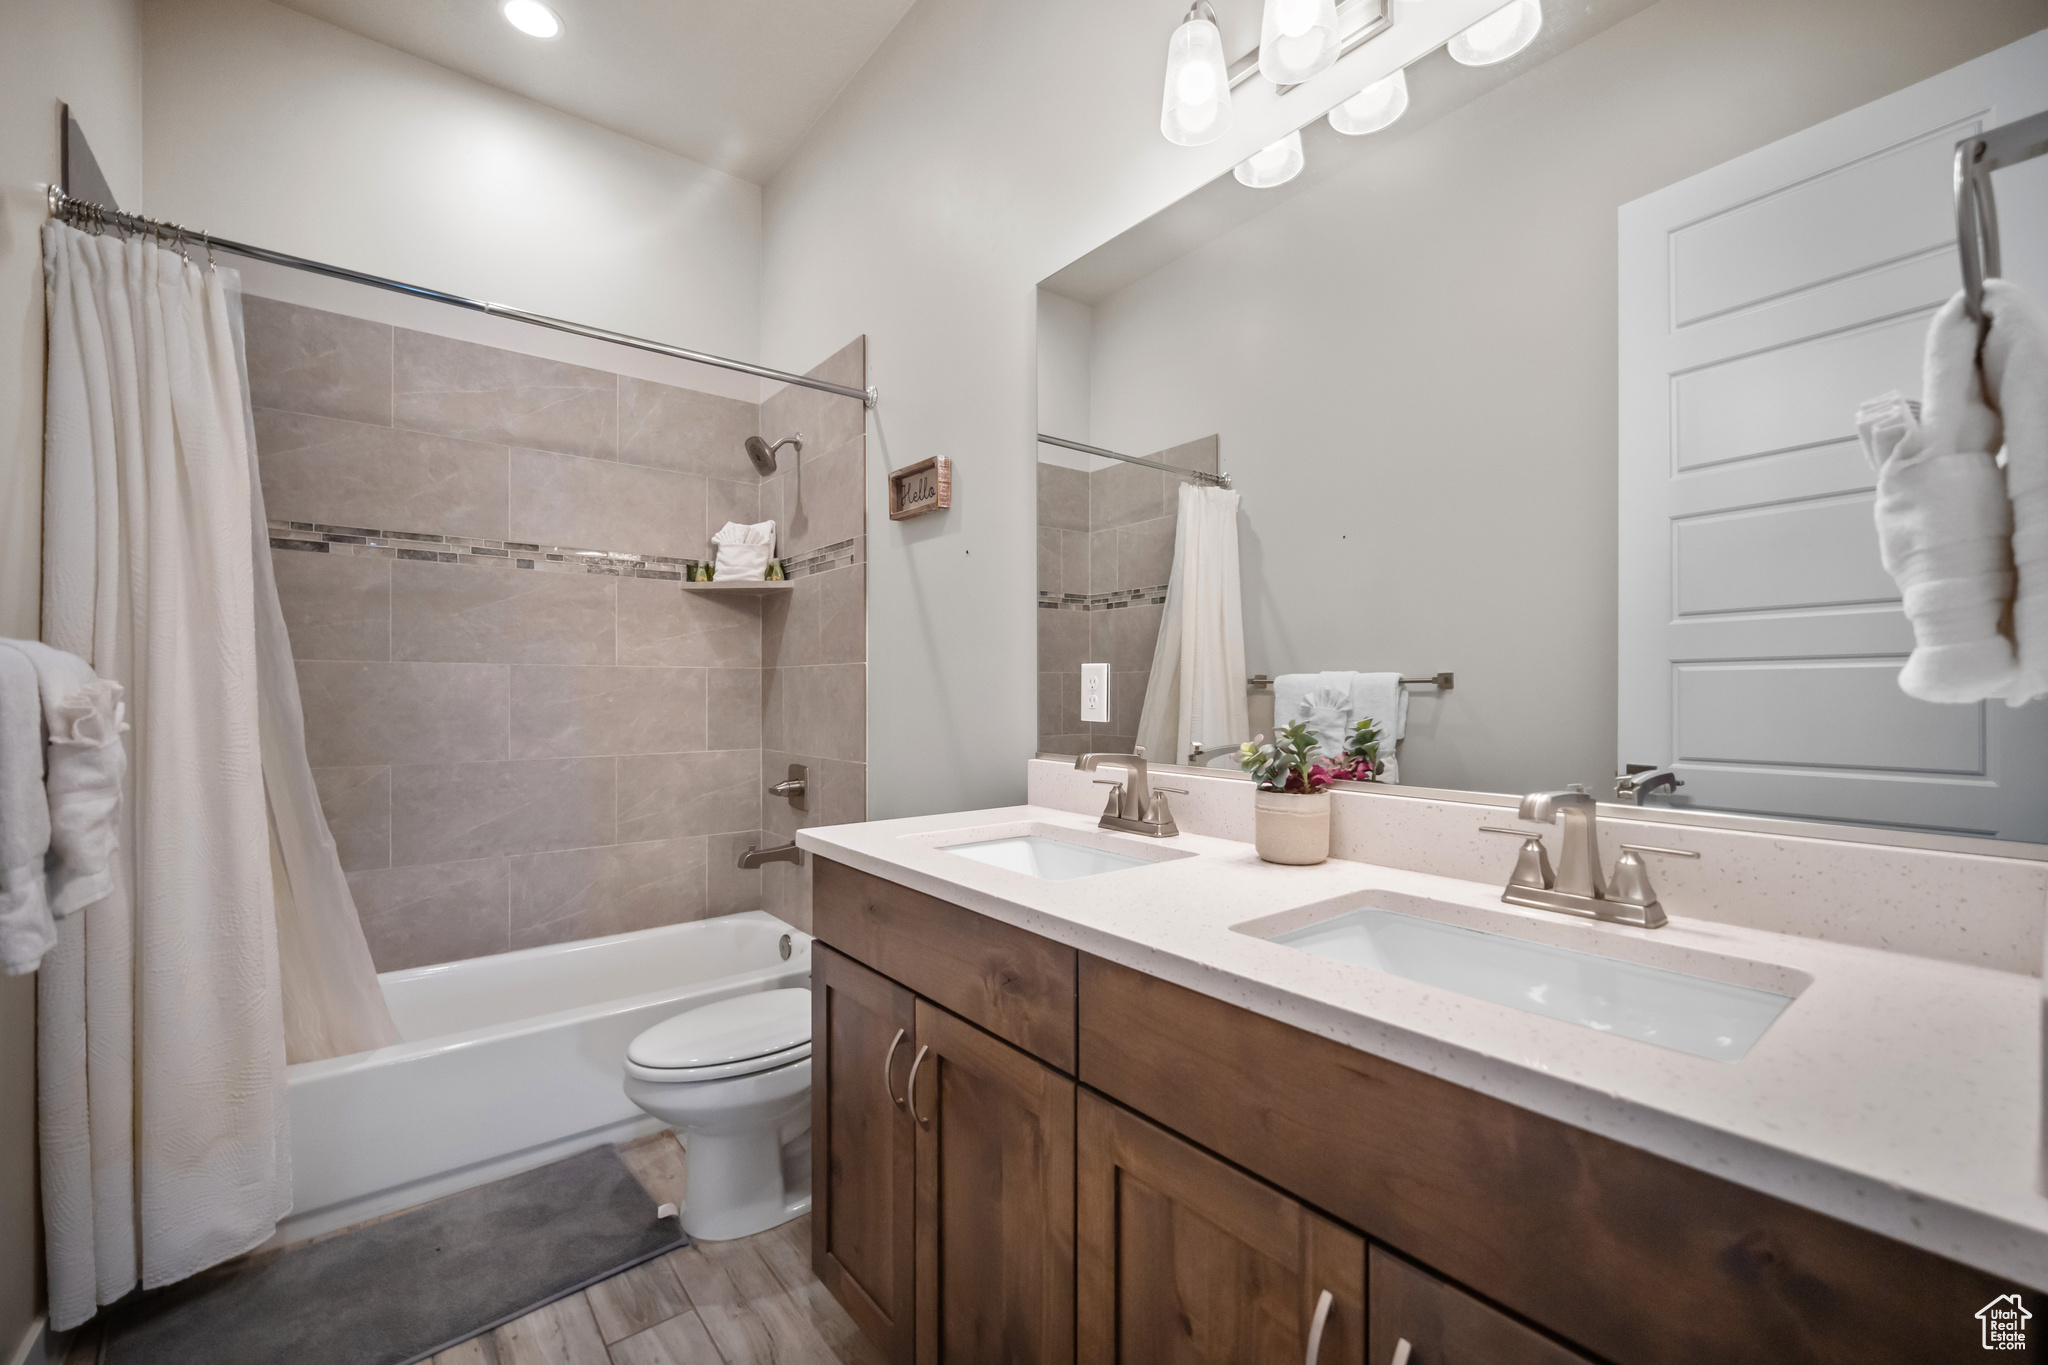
pixel 1315 1328
pixel 888 1062
pixel 1401 1352
pixel 910 1088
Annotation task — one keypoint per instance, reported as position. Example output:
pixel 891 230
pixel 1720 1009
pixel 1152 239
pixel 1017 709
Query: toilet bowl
pixel 734 1079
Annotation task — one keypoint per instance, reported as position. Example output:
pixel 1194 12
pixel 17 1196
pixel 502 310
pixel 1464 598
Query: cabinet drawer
pixel 1018 986
pixel 1445 1326
pixel 1634 1257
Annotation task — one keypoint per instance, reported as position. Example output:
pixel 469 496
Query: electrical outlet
pixel 1095 692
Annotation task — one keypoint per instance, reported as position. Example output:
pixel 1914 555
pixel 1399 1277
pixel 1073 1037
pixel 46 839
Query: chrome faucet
pixel 1641 779
pixel 1135 806
pixel 1577 888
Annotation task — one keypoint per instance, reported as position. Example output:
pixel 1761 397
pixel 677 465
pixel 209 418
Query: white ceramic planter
pixel 1291 827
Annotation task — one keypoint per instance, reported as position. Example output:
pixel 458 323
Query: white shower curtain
pixel 161 1035
pixel 1197 689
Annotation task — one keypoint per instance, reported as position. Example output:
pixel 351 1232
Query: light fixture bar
pixel 1380 21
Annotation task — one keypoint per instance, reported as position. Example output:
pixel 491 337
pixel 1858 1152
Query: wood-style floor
pixel 749 1302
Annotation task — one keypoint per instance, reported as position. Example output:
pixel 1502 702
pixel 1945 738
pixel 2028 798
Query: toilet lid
pixel 736 1030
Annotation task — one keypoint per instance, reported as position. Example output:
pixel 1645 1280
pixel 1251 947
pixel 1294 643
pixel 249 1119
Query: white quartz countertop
pixel 1898 1093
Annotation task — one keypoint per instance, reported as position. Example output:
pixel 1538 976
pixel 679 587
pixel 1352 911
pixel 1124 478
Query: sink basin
pixel 1693 1014
pixel 1053 860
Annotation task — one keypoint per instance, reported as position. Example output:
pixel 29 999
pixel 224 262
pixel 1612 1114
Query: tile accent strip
pixel 319 538
pixel 1102 601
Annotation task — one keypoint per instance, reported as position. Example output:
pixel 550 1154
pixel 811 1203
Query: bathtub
pixel 508 1062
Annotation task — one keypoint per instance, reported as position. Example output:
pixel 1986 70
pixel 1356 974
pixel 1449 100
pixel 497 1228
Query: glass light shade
pixel 532 18
pixel 1297 39
pixel 1374 107
pixel 1197 104
pixel 1500 35
pixel 1272 165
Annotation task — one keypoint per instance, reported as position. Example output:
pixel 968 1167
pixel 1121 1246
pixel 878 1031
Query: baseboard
pixel 32 1349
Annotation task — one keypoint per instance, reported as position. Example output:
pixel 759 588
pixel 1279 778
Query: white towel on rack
pixel 744 551
pixel 1331 703
pixel 2015 361
pixel 1943 521
pixel 27 930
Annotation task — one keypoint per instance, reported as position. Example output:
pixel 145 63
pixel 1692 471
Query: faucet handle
pixel 1532 864
pixel 1116 796
pixel 1632 880
pixel 1162 813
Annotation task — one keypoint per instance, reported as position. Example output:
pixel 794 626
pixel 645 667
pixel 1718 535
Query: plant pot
pixel 1292 827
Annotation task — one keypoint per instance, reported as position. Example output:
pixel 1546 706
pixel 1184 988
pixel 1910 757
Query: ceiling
pixel 730 85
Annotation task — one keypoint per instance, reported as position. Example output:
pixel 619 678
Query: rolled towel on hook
pixel 2015 368
pixel 1944 524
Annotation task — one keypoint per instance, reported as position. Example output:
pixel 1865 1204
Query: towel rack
pixel 1977 209
pixel 1442 682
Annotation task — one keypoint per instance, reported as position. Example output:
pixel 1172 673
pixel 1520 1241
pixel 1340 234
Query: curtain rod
pixel 1198 475
pixel 84 212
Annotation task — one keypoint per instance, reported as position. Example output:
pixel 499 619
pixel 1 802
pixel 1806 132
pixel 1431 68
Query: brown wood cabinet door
pixel 1443 1325
pixel 1187 1260
pixel 864 1148
pixel 995 1200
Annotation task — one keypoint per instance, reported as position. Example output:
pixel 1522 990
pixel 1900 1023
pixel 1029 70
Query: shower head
pixel 763 454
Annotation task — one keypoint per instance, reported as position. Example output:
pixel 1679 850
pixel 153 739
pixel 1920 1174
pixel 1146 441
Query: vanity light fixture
pixel 1373 108
pixel 532 18
pixel 1297 39
pixel 1197 104
pixel 1500 35
pixel 1272 165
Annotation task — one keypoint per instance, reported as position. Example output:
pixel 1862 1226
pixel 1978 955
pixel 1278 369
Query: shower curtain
pixel 161 1044
pixel 1196 692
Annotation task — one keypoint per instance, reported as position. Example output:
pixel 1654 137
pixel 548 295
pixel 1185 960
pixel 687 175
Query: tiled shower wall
pixel 1105 552
pixel 524 729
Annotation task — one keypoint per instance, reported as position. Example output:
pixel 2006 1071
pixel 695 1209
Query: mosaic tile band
pixel 1102 601
pixel 318 538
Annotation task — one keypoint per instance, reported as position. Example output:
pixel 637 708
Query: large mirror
pixel 1542 455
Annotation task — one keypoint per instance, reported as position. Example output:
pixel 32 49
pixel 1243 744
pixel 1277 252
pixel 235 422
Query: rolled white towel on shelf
pixel 744 551
pixel 1944 524
pixel 2015 367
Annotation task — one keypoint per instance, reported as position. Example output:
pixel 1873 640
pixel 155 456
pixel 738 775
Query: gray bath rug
pixel 396 1291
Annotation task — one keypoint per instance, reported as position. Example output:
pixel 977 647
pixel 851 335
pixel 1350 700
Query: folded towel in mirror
pixel 744 551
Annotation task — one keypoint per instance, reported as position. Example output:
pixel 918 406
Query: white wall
pixel 943 185
pixel 985 145
pixel 1066 351
pixel 273 128
pixel 86 53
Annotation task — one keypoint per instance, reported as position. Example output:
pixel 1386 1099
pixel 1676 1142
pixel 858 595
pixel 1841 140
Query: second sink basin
pixel 1717 1020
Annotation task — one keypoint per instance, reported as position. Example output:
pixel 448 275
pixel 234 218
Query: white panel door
pixel 1761 302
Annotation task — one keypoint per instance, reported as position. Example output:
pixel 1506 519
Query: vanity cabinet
pixel 1106 1166
pixel 864 1148
pixel 995 1200
pixel 1183 1260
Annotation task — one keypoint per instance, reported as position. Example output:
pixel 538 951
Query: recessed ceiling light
pixel 532 18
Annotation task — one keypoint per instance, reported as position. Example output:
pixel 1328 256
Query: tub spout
pixel 781 853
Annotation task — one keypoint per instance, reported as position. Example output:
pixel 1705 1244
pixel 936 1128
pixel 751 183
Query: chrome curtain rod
pixel 1198 475
pixel 1976 208
pixel 80 212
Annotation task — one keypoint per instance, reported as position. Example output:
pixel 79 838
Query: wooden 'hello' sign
pixel 916 489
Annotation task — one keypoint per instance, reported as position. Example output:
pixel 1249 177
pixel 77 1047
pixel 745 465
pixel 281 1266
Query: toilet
pixel 734 1079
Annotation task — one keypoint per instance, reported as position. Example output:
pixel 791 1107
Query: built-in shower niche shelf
pixel 739 586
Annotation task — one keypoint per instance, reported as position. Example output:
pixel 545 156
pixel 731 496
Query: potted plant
pixel 1362 761
pixel 1292 803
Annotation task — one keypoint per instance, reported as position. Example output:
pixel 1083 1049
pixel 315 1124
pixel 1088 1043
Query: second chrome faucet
pixel 1577 887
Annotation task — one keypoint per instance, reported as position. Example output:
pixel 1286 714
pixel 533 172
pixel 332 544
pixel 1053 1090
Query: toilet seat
pixel 741 1036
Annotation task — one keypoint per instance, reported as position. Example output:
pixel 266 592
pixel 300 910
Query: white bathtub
pixel 508 1062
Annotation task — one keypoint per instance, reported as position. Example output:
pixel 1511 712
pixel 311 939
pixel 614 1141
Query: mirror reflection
pixel 1547 464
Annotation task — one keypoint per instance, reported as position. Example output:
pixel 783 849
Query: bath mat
pixel 398 1290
